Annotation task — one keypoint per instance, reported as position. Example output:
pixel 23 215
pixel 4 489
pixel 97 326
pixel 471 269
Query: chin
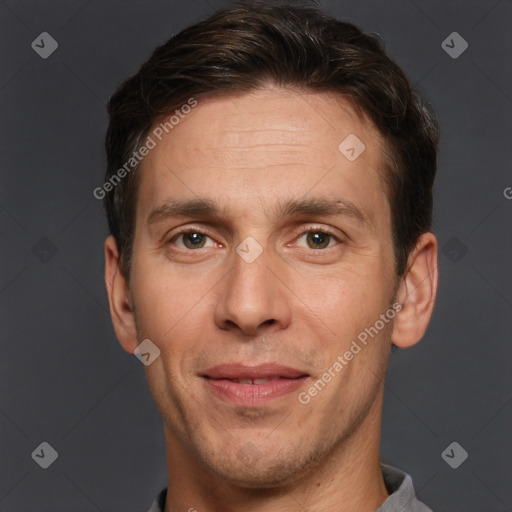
pixel 250 469
pixel 270 477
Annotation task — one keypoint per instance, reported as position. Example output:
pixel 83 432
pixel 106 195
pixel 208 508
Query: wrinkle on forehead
pixel 267 142
pixel 254 130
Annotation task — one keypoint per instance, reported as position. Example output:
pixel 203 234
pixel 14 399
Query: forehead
pixel 266 142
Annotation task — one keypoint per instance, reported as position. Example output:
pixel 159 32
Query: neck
pixel 347 479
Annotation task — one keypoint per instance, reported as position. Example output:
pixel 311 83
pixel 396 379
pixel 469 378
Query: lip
pixel 261 371
pixel 221 381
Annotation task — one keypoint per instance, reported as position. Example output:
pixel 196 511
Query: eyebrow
pixel 326 207
pixel 204 207
pixel 200 207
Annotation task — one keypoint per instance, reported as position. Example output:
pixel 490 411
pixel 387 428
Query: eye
pixel 192 240
pixel 317 239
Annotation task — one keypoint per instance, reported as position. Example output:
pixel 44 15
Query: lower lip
pixel 253 395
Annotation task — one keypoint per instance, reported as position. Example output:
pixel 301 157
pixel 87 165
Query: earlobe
pixel 121 308
pixel 417 293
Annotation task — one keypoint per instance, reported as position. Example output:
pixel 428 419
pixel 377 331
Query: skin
pixel 298 304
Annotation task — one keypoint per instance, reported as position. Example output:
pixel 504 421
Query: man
pixel 269 197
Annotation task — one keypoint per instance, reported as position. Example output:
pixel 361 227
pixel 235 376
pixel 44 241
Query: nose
pixel 253 295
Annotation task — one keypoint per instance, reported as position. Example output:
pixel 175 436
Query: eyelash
pixel 186 232
pixel 323 231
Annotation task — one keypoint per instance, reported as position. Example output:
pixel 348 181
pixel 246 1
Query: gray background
pixel 65 379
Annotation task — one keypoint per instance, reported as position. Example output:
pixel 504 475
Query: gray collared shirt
pixel 399 484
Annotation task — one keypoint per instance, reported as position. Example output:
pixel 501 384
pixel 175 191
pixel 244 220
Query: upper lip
pixel 262 371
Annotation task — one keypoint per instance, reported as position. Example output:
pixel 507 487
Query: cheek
pixel 173 311
pixel 344 293
pixel 159 301
pixel 339 308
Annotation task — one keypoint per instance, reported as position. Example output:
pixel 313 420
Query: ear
pixel 121 307
pixel 417 293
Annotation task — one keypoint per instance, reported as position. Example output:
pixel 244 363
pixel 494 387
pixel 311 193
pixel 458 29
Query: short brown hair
pixel 248 45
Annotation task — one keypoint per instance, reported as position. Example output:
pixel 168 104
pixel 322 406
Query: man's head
pixel 251 46
pixel 282 218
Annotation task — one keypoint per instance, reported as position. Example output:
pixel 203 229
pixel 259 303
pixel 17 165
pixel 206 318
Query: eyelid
pixel 336 234
pixel 189 229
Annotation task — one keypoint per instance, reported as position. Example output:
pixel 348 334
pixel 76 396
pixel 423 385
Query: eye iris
pixel 193 240
pixel 318 238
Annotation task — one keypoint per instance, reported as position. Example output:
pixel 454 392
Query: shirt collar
pixel 402 497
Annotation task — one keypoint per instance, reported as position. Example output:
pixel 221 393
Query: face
pixel 261 252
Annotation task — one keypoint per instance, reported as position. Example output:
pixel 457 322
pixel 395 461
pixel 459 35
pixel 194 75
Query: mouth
pixel 253 381
pixel 252 386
